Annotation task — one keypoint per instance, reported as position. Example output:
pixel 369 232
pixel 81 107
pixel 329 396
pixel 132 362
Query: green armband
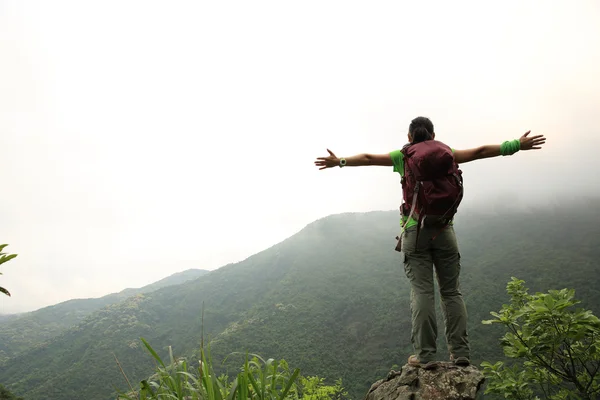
pixel 510 147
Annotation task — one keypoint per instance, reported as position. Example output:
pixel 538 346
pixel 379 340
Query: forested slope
pixel 332 300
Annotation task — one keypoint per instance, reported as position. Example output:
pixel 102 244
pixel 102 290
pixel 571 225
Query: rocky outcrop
pixel 445 381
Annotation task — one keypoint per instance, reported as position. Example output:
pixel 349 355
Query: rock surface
pixel 445 381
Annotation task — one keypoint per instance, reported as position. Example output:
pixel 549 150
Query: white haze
pixel 142 138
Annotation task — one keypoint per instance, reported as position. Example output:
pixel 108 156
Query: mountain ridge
pixel 331 299
pixel 18 331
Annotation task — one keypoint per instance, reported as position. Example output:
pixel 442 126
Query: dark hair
pixel 421 129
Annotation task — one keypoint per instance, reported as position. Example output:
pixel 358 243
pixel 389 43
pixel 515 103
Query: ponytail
pixel 421 134
pixel 421 129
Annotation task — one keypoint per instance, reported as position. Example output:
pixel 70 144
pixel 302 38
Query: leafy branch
pixel 4 257
pixel 555 347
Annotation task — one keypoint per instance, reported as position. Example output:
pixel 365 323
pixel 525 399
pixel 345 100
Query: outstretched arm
pixel 354 161
pixel 495 150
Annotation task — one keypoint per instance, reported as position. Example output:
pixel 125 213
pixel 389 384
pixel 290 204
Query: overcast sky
pixel 142 138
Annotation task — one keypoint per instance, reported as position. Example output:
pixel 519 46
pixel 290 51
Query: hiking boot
pixel 414 361
pixel 460 361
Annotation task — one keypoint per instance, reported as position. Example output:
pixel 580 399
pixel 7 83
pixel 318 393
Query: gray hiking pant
pixel 441 253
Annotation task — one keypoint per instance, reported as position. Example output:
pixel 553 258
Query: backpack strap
pixel 415 197
pixel 412 212
pixel 412 209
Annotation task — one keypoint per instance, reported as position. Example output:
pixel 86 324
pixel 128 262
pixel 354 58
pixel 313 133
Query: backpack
pixel 432 185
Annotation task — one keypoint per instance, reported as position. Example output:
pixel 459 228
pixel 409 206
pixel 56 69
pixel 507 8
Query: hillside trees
pixel 6 395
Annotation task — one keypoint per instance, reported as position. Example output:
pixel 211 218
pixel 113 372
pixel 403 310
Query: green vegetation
pixel 557 348
pixel 5 258
pixel 331 300
pixel 23 332
pixel 259 379
pixel 6 395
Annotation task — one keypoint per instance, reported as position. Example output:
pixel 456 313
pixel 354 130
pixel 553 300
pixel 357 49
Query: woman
pixel 433 248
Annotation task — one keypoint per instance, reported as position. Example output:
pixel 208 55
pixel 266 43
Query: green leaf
pixel 289 384
pixel 6 258
pixel 151 350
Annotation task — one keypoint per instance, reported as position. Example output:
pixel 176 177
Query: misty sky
pixel 142 138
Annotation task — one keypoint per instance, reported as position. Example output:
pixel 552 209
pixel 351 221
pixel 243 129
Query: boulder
pixel 444 381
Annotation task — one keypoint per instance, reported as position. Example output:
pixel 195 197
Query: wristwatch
pixel 342 162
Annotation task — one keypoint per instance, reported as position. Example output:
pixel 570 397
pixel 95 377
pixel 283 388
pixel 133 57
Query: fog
pixel 140 139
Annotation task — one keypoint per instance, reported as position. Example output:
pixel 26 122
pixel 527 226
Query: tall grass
pixel 259 379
